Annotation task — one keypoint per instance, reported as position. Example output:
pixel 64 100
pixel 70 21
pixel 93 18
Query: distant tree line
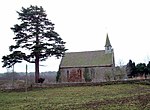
pixel 49 76
pixel 141 69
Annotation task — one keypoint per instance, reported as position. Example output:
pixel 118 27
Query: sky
pixel 83 25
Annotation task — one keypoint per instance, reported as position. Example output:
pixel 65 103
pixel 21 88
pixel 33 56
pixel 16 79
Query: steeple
pixel 107 41
pixel 108 47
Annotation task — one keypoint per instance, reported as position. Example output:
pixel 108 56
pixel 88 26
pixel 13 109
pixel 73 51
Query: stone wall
pixel 90 74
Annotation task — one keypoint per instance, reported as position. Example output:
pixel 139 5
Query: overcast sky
pixel 83 25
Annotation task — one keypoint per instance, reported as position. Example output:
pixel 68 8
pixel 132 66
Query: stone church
pixel 88 66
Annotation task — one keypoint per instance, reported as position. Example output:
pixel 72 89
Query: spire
pixel 107 42
pixel 108 47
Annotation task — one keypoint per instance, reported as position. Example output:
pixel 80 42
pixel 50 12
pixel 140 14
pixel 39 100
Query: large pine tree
pixel 36 34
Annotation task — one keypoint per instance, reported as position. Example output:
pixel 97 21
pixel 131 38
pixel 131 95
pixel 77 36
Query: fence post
pixel 26 85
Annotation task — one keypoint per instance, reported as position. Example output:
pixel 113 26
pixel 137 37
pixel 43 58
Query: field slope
pixel 107 97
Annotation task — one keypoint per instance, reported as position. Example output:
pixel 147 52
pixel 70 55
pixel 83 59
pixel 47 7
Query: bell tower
pixel 108 47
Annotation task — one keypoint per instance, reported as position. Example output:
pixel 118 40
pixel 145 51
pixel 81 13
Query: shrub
pixel 41 80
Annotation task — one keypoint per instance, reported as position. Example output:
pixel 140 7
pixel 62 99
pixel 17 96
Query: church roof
pixel 87 59
pixel 107 42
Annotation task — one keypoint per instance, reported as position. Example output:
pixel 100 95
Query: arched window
pixel 92 73
pixel 80 73
pixel 68 75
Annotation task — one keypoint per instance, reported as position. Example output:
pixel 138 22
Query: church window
pixel 107 48
pixel 92 73
pixel 68 75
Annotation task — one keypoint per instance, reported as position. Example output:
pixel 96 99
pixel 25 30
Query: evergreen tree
pixel 131 69
pixel 141 69
pixel 58 76
pixel 134 71
pixel 36 34
pixel 148 67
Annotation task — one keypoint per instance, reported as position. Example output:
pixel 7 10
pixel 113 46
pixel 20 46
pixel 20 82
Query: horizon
pixel 84 25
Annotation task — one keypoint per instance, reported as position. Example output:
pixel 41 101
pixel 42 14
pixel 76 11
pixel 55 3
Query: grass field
pixel 108 97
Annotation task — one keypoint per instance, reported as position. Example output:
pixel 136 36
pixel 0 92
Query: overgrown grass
pixel 108 97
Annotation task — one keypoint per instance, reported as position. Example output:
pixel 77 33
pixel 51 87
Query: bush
pixel 87 76
pixel 41 80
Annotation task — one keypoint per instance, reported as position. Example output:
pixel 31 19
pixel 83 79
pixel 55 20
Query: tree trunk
pixel 37 53
pixel 36 68
pixel 37 57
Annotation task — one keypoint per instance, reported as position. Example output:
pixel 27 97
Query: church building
pixel 88 66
